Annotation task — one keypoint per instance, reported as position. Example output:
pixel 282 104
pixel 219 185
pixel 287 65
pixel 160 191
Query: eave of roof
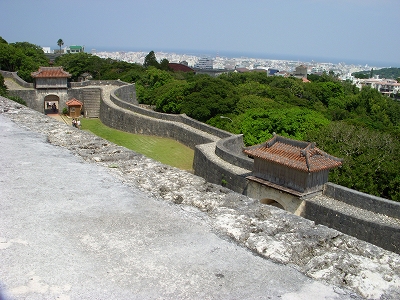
pixel 74 102
pixel 297 155
pixel 50 72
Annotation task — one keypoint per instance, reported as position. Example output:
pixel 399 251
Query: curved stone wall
pixel 125 117
pixel 18 79
pixel 183 119
pixel 230 150
pixel 97 82
pixel 216 170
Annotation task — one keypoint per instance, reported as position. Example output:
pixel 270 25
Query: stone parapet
pixel 378 229
pixel 362 200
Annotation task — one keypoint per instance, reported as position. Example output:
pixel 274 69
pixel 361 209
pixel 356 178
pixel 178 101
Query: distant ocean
pixel 233 54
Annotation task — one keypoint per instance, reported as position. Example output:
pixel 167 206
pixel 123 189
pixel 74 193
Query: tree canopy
pixel 60 43
pixel 324 111
pixel 389 73
pixel 21 57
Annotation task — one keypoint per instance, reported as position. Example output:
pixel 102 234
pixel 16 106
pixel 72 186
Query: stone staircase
pixel 91 102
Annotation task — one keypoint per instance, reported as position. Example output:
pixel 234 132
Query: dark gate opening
pixel 51 104
pixel 272 203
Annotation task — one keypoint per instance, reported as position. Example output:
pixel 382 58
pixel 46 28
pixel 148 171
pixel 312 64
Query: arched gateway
pixel 51 84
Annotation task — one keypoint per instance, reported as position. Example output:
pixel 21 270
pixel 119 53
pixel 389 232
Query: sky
pixel 349 31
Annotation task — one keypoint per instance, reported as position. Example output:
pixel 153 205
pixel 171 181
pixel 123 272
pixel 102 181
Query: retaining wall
pixel 79 93
pixel 29 96
pixel 230 150
pixel 215 170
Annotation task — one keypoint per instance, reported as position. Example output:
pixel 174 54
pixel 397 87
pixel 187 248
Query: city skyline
pixel 350 31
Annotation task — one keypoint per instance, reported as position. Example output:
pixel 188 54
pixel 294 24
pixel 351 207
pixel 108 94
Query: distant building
pixel 300 72
pixel 282 74
pixel 75 49
pixel 241 70
pixel 85 76
pixel 272 71
pixel 204 63
pixel 46 49
pixel 384 86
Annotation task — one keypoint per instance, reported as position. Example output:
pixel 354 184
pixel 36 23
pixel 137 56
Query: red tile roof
pixel 50 72
pixel 242 70
pixel 180 67
pixel 74 102
pixel 298 155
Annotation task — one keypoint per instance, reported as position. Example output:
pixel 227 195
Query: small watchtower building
pixel 292 167
pixel 74 108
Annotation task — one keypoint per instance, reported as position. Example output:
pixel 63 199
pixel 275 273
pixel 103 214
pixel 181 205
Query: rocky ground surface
pixel 317 251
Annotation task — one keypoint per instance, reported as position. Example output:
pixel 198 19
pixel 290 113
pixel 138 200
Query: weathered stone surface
pixel 315 250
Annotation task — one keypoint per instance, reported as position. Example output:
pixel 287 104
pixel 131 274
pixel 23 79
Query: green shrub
pixel 17 99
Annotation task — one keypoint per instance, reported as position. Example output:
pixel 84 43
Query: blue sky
pixel 362 31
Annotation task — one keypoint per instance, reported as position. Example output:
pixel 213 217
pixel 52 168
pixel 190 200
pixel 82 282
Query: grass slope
pixel 164 150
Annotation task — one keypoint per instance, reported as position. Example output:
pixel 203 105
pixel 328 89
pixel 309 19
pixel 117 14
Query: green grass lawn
pixel 167 151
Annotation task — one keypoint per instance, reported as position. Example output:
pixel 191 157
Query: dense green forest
pixel 360 126
pixel 388 73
